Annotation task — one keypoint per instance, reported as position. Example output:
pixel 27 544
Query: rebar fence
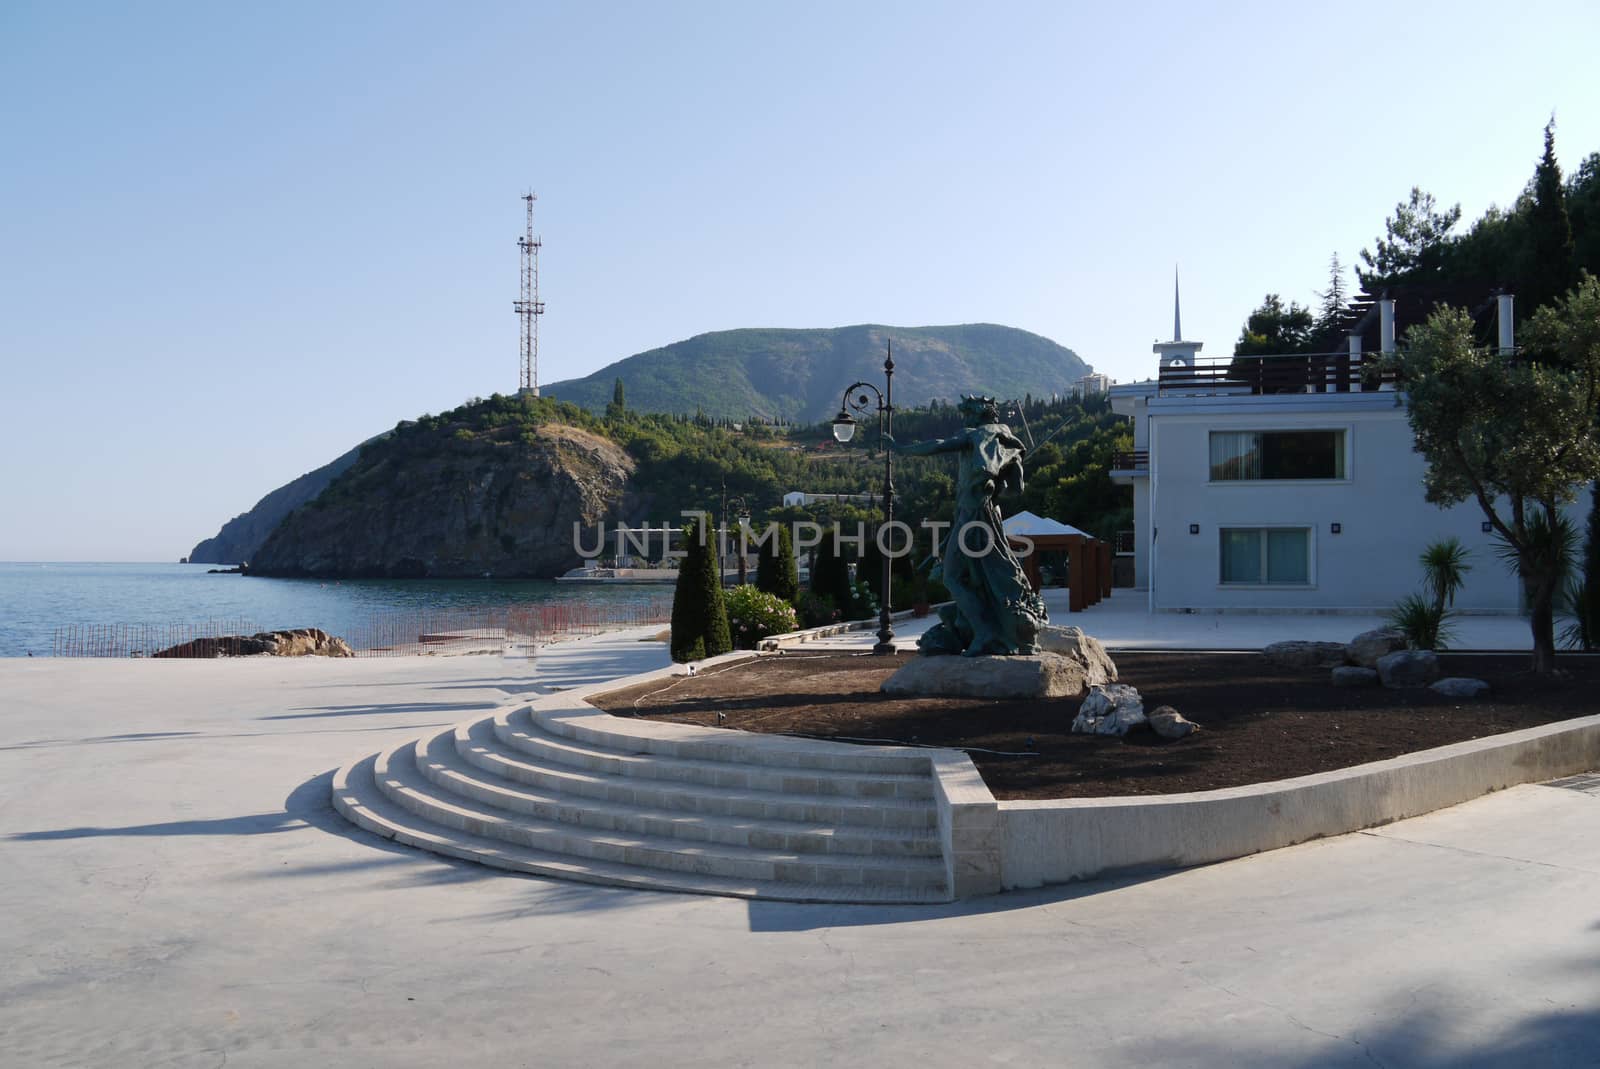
pixel 394 633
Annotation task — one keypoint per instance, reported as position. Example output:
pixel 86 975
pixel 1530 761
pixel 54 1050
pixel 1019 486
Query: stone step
pixel 438 759
pixel 478 744
pixel 397 776
pixel 691 743
pixel 357 797
pixel 620 753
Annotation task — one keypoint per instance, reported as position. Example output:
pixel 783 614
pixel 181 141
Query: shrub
pixel 1425 625
pixel 817 610
pixel 754 614
pixel 1444 570
pixel 699 615
pixel 776 572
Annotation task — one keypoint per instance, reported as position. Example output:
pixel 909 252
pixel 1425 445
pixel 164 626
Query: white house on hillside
pixel 1265 484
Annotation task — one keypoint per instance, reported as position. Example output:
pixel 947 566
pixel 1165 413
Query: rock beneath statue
pixel 1367 647
pixel 1460 687
pixel 1302 654
pixel 1113 709
pixel 1355 676
pixel 1085 649
pixel 1034 675
pixel 1408 668
pixel 1171 724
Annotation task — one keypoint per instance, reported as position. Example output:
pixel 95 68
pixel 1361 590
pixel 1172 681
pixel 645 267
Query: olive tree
pixel 1514 432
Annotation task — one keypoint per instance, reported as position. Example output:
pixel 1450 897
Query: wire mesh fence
pixel 403 633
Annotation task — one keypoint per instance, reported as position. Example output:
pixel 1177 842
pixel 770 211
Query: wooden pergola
pixel 1088 558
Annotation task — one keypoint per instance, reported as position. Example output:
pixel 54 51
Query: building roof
pixel 1031 526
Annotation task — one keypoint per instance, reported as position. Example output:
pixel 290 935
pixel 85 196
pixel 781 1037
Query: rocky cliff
pixel 453 501
pixel 241 536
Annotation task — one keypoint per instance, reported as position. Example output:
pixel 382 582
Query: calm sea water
pixel 35 599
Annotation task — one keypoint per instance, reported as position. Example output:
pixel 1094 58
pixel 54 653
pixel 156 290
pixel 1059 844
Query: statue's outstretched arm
pixel 953 444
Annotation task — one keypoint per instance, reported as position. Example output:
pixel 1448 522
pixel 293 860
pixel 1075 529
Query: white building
pixel 1287 484
pixel 1093 384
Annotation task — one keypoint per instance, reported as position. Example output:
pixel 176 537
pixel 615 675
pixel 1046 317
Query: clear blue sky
pixel 240 238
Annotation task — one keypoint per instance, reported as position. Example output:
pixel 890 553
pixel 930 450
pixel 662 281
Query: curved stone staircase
pixel 561 789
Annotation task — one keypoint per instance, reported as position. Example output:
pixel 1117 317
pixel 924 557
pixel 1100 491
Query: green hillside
pixel 798 375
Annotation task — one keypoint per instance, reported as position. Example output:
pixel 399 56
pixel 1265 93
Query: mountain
pixel 240 537
pixel 492 488
pixel 799 375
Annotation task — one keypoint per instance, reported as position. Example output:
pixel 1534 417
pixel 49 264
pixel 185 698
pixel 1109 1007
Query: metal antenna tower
pixel 529 307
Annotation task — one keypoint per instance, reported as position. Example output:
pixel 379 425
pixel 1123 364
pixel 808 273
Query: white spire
pixel 1177 326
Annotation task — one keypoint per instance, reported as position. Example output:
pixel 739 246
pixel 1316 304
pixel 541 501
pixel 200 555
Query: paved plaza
pixel 176 891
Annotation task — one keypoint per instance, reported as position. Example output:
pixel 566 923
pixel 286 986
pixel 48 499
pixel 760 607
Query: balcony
pixel 1125 467
pixel 1292 374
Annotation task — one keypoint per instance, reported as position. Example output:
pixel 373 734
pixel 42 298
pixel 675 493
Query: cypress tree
pixel 830 576
pixel 1553 271
pixel 699 615
pixel 776 571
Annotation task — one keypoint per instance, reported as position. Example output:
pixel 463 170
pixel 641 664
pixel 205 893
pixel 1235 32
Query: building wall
pixel 1385 521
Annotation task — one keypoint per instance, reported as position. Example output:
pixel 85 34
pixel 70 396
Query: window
pixel 1266 556
pixel 1247 455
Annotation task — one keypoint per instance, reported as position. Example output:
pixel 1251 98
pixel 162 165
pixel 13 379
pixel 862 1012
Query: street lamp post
pixel 844 428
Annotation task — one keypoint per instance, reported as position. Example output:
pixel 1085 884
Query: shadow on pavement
pixel 376 710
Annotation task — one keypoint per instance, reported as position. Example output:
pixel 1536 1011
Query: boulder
pixel 301 642
pixel 1408 668
pixel 1170 724
pixel 1112 709
pixel 1367 647
pixel 1085 649
pixel 1302 654
pixel 1035 675
pixel 1460 687
pixel 1351 676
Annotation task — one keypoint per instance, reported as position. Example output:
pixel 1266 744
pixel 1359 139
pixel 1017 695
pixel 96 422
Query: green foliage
pixel 617 407
pixel 1274 329
pixel 699 615
pixel 1444 570
pixel 776 571
pixel 1553 269
pixel 754 614
pixel 1492 426
pixel 1581 597
pixel 817 610
pixel 830 575
pixel 1425 625
pixel 1415 247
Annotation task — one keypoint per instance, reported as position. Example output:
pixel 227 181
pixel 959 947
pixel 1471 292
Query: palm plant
pixel 1424 624
pixel 1444 570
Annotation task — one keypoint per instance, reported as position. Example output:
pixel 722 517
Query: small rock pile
pixel 1116 709
pixel 1374 658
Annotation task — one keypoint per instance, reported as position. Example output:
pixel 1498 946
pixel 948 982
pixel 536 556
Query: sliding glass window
pixel 1242 456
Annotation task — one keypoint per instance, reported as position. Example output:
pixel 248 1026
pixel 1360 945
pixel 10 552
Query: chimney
pixel 1386 325
pixel 1508 326
pixel 1354 341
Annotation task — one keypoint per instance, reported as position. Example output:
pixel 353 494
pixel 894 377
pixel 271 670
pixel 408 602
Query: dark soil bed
pixel 1259 723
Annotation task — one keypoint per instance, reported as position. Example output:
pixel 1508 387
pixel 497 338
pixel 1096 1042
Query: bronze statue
pixel 995 610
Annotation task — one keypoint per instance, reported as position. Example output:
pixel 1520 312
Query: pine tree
pixel 1333 299
pixel 776 572
pixel 1553 271
pixel 699 615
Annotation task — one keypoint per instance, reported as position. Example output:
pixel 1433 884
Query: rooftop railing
pixel 1283 374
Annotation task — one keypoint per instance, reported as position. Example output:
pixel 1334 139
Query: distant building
pixel 1093 384
pixel 800 497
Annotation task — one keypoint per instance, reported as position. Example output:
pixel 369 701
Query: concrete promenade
pixel 175 891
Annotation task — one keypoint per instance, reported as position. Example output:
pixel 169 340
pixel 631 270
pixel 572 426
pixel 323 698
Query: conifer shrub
pixel 699 614
pixel 776 571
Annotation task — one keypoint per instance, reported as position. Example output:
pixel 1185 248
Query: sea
pixel 37 599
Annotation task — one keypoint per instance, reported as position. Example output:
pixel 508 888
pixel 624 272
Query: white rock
pixel 1408 668
pixel 1351 676
pixel 1083 648
pixel 1112 709
pixel 1303 654
pixel 1367 647
pixel 1036 675
pixel 1171 724
pixel 1460 687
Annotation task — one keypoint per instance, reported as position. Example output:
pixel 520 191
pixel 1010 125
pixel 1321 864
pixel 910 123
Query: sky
pixel 239 239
